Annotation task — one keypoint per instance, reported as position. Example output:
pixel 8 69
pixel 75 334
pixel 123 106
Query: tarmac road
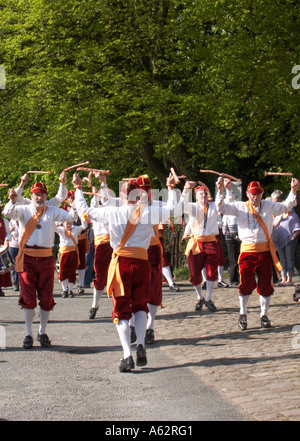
pixel 78 378
pixel 202 367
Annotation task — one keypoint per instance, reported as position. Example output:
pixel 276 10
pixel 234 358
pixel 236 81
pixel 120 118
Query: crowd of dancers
pixel 129 259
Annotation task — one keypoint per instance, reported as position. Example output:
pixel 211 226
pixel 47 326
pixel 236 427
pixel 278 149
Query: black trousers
pixel 233 249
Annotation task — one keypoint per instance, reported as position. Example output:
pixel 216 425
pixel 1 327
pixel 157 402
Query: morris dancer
pixel 83 248
pixel 202 250
pixel 103 251
pixel 5 237
pixel 68 255
pixel 129 271
pixel 258 253
pixel 35 261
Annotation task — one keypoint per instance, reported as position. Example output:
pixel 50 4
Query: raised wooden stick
pixel 175 175
pixel 76 165
pixel 38 171
pixel 93 170
pixel 278 174
pixel 224 175
pixel 3 185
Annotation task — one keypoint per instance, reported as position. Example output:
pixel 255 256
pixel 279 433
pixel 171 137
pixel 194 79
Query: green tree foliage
pixel 138 86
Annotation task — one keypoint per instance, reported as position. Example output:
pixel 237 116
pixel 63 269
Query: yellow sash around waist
pixel 270 243
pixel 254 247
pixel 28 230
pixel 69 249
pixel 193 244
pixel 101 239
pixel 33 252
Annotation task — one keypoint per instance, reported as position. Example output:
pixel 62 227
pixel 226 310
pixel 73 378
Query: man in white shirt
pixel 35 261
pixel 131 229
pixel 255 224
pixel 202 250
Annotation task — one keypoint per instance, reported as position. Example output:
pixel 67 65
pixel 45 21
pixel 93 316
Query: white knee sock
pixel 28 316
pixel 198 291
pixel 44 316
pixel 264 305
pixel 96 297
pixel 243 304
pixel 124 335
pixel 131 321
pixel 71 285
pixel 140 319
pixel 151 315
pixel 203 272
pixel 81 274
pixel 209 289
pixel 64 284
pixel 168 275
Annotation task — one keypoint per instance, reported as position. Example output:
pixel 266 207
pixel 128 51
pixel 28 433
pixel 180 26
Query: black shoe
pixel 149 337
pixel 1 293
pixel 132 334
pixel 65 294
pixel 265 322
pixel 222 284
pixel 174 287
pixel 92 313
pixel 210 305
pixel 80 290
pixel 243 322
pixel 44 340
pixel 296 298
pixel 16 287
pixel 28 342
pixel 126 364
pixel 71 294
pixel 199 305
pixel 141 359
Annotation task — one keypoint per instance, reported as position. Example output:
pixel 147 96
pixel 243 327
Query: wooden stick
pixel 224 175
pixel 94 170
pixel 76 165
pixel 174 175
pixel 3 185
pixel 38 171
pixel 278 174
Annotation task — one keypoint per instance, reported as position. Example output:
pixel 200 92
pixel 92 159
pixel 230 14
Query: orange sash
pixel 101 239
pixel 268 246
pixel 28 230
pixel 193 246
pixel 114 280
